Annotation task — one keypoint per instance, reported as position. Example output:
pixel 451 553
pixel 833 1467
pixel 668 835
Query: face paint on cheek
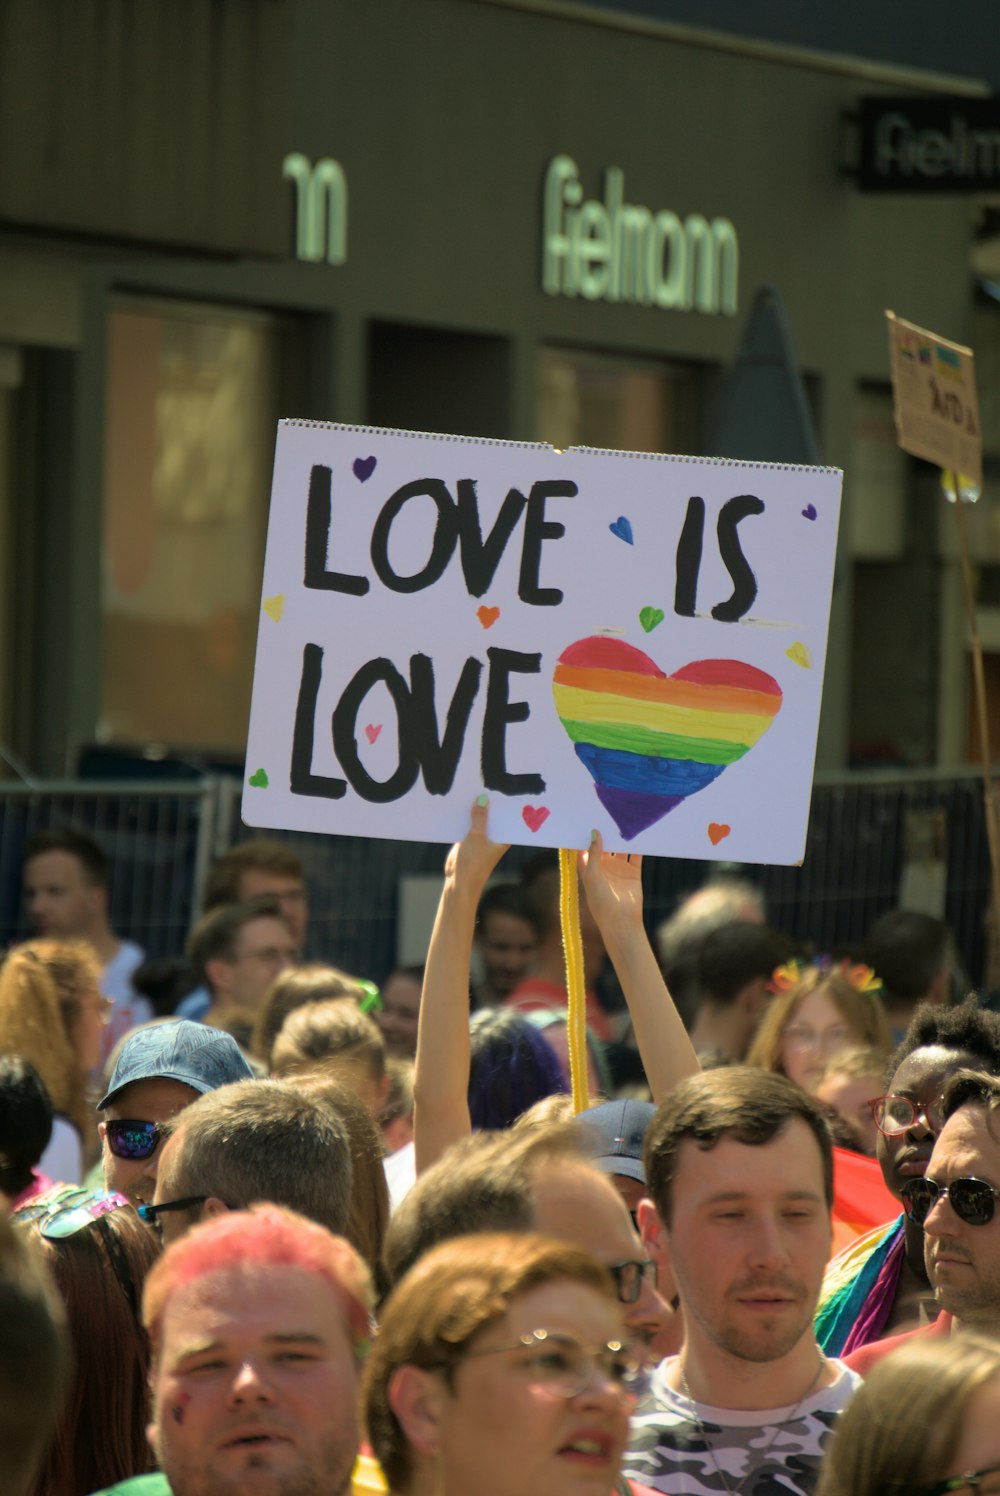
pixel 180 1406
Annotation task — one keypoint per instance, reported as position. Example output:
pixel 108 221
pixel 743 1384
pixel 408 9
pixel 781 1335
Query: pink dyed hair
pixel 263 1236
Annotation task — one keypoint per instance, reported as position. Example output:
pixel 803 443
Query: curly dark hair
pixel 967 1029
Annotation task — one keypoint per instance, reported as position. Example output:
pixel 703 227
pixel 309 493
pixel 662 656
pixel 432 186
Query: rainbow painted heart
pixel 649 740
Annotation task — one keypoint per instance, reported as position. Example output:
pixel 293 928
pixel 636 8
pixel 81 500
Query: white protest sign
pixel 616 640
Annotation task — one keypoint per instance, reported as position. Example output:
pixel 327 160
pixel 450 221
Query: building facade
pixel 440 215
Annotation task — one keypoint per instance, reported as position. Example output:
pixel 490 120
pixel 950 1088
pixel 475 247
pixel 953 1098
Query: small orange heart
pixel 487 616
pixel 717 833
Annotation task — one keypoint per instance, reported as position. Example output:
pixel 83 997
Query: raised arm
pixel 441 1075
pixel 612 882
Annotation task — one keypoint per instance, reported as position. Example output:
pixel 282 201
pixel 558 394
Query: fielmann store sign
pixel 613 250
pixel 608 250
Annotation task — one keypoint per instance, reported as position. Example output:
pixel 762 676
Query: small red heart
pixel 487 616
pixel 534 816
pixel 717 833
pixel 372 732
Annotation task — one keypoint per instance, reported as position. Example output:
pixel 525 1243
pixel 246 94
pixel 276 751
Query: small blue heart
pixel 622 529
pixel 363 468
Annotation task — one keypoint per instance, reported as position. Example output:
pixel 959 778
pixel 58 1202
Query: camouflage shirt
pixel 775 1452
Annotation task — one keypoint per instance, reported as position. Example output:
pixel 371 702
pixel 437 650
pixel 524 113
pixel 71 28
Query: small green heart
pixel 260 780
pixel 650 618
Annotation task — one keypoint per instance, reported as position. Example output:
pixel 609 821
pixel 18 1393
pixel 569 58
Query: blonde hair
pixel 854 1063
pixel 901 1429
pixel 861 1011
pixel 41 984
pixel 324 1031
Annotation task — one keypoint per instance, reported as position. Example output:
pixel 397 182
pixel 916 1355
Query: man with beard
pixel 257 1323
pixel 955 1204
pixel 878 1286
pixel 739 1166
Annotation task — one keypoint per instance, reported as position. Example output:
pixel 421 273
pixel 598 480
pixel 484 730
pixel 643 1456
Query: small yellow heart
pixel 799 655
pixel 275 606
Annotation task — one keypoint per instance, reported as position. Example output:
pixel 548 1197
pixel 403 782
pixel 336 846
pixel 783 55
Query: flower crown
pixel 860 977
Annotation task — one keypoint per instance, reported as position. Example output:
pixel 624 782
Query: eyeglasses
pixel 972 1200
pixel 64 1213
pixel 893 1115
pixel 134 1140
pixel 628 1278
pixel 971 1478
pixel 151 1213
pixel 801 1038
pixel 561 1365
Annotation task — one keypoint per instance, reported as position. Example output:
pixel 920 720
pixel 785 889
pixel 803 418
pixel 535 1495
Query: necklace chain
pixel 762 1454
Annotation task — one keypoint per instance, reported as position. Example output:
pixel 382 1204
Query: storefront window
pixel 192 400
pixel 586 399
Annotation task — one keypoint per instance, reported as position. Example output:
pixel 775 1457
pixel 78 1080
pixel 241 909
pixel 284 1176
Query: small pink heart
pixel 717 833
pixel 372 731
pixel 363 468
pixel 487 616
pixel 534 816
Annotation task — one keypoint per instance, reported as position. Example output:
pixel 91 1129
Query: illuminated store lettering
pixel 320 208
pixel 619 251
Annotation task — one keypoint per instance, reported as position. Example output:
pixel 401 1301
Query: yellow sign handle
pixel 576 1017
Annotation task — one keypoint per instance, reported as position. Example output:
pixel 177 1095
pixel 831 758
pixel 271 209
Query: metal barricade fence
pixel 161 840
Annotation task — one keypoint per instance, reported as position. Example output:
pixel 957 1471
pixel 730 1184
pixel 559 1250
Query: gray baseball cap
pixel 198 1056
pixel 619 1131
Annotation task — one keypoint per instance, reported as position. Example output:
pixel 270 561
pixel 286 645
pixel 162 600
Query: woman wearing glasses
pixel 878 1285
pixel 99 1254
pixel 501 1368
pixel 53 1015
pixel 817 1012
pixel 926 1422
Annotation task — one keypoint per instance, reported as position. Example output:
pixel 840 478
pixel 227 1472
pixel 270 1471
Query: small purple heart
pixel 622 529
pixel 363 468
pixel 809 512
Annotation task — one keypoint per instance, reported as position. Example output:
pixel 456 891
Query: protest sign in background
pixel 935 401
pixel 618 640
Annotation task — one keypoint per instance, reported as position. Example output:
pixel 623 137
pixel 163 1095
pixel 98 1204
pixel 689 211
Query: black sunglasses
pixel 628 1278
pixel 972 1200
pixel 151 1213
pixel 135 1140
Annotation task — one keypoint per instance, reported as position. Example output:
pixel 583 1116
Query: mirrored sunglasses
pixel 75 1215
pixel 972 1200
pixel 133 1139
pixel 64 1213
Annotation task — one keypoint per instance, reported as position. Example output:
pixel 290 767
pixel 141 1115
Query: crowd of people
pixel 272 1230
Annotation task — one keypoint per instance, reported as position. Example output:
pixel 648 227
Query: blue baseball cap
pixel 619 1132
pixel 198 1056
